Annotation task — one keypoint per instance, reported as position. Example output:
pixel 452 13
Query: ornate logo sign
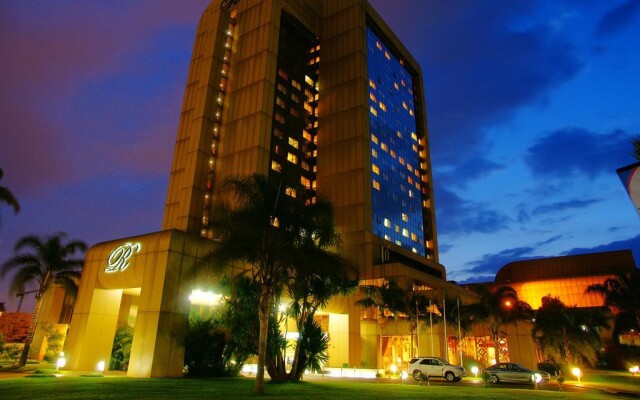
pixel 119 257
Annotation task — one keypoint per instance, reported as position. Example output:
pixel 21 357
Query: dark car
pixel 514 372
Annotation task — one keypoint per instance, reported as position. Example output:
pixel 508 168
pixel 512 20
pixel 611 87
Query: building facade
pixel 320 96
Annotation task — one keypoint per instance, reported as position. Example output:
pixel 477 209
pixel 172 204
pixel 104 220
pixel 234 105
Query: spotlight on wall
pixel 100 367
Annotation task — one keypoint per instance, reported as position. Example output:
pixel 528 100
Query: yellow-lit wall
pixel 570 290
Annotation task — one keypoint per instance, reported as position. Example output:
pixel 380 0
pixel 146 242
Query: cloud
pixel 563 206
pixel 618 18
pixel 577 151
pixel 632 243
pixel 473 168
pixel 491 263
pixel 487 67
pixel 458 216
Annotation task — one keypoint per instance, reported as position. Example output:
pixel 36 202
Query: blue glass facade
pixel 395 164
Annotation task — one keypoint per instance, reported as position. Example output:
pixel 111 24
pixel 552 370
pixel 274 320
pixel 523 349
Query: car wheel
pixel 417 375
pixel 450 376
pixel 494 379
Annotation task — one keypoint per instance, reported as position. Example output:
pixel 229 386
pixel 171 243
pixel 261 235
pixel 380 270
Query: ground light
pixel 474 370
pixel 403 376
pixel 393 369
pixel 100 367
pixel 61 362
pixel 577 373
pixel 634 370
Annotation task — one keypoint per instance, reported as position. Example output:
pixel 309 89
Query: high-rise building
pixel 317 93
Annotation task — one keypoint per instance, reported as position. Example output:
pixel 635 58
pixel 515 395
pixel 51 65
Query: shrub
pixel 55 342
pixel 12 352
pixel 121 349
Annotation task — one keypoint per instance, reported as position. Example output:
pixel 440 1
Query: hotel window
pixel 387 237
pixel 295 98
pixel 279 118
pixel 280 102
pixel 292 158
pixel 374 138
pixel 378 45
pixel 401 160
pixel 295 84
pixel 411 113
pixel 306 182
pixel 275 222
pixel 414 136
pixel 376 185
pixel 405 106
pixel 373 111
pixel 374 153
pixel 405 217
pixel 398 228
pixel 405 232
pixel 395 85
pixel 281 88
pixel 387 223
pixel 399 243
pixel 414 237
pixel 294 112
pixel 384 147
pixel 375 169
pixel 283 75
pixel 304 165
pixel 414 147
pixel 293 143
pixel 276 166
pixel 383 107
pixel 308 108
pixel 308 80
pixel 313 185
pixel 278 133
pixel 386 54
pixel 306 135
pixel 392 153
pixel 289 191
pixel 399 134
pixel 372 84
pixel 372 96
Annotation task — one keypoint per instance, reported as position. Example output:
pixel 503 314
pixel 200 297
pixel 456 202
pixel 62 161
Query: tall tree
pixel 270 227
pixel 388 300
pixel 622 292
pixel 572 333
pixel 496 309
pixel 7 197
pixel 42 264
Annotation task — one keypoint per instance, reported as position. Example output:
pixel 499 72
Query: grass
pixel 123 388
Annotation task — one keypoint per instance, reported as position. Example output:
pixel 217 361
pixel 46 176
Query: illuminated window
pixel 295 84
pixel 294 112
pixel 405 106
pixel 373 111
pixel 376 185
pixel 392 153
pixel 395 85
pixel 414 136
pixel 278 133
pixel 401 160
pixel 405 232
pixel 372 83
pixel 308 108
pixel 398 228
pixel 279 118
pixel 280 102
pixel 410 193
pixel 283 75
pixel 375 169
pixel 387 237
pixel 378 45
pixel 405 217
pixel 289 191
pixel 276 166
pixel 308 80
pixel 372 96
pixel 386 54
pixel 414 237
pixel 275 222
pixel 313 185
pixel 399 243
pixel 306 135
pixel 399 134
pixel 383 107
pixel 295 98
pixel 293 143
pixel 387 223
pixel 281 88
pixel 292 158
pixel 411 113
pixel 403 83
pixel 306 182
pixel 414 147
pixel 384 146
pixel 304 165
pixel 409 167
pixel 374 138
pixel 374 153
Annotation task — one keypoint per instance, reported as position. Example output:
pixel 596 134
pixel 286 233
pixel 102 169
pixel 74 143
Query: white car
pixel 428 367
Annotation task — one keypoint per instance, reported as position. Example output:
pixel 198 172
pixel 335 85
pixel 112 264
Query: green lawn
pixel 122 388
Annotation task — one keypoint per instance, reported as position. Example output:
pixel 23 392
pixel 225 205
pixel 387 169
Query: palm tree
pixel 572 333
pixel 496 309
pixel 621 292
pixel 49 262
pixel 7 197
pixel 389 300
pixel 271 231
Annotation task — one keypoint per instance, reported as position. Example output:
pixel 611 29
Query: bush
pixel 121 349
pixel 204 348
pixel 55 342
pixel 12 352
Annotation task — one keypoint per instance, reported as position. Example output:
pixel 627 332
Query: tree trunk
pixel 263 314
pixel 30 333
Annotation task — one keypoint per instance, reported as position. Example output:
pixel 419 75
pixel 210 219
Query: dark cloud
pixel 577 151
pixel 491 263
pixel 563 206
pixel 487 67
pixel 618 18
pixel 632 244
pixel 457 216
pixel 471 169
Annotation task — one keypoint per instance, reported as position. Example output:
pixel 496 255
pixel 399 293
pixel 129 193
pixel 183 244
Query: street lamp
pixel 474 370
pixel 577 373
